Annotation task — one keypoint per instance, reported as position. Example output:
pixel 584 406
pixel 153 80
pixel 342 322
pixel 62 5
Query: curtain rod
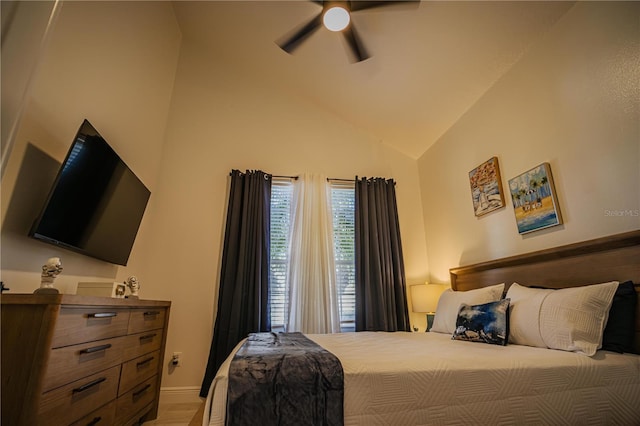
pixel 354 180
pixel 340 180
pixel 296 178
pixel 275 176
pixel 328 179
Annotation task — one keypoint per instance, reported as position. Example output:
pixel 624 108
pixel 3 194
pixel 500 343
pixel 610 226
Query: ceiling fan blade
pixel 363 5
pixel 290 43
pixel 356 46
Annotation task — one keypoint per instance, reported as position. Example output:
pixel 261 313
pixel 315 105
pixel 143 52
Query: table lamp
pixel 424 299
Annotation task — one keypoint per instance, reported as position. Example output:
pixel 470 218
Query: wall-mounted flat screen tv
pixel 96 203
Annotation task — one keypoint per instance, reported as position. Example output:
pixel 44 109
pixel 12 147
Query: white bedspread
pixel 429 379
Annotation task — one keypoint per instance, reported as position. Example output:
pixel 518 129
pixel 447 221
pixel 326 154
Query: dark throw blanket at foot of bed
pixel 284 379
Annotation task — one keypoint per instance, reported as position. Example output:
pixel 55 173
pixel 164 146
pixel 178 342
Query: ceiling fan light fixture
pixel 336 18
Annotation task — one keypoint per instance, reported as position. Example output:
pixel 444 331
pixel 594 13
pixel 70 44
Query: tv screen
pixel 96 203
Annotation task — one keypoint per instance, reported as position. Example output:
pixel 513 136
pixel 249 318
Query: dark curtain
pixel 243 306
pixel 381 303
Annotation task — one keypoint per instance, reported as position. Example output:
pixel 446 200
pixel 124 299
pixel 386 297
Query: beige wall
pixel 223 119
pixel 110 62
pixel 571 101
pixel 26 27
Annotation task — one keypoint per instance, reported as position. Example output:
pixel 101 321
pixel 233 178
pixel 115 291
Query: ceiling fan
pixel 336 16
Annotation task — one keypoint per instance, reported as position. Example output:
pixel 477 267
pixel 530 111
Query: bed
pixel 429 378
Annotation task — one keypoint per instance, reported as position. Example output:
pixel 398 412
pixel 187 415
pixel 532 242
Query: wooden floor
pixel 178 414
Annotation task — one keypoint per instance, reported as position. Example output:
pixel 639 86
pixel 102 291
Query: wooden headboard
pixel 616 257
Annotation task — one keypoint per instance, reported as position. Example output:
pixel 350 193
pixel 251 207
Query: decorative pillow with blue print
pixel 486 323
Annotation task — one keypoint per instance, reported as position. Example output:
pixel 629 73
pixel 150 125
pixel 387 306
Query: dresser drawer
pixel 133 402
pixel 138 370
pixel 142 343
pixel 71 402
pixel 104 416
pixel 146 319
pixel 139 417
pixel 77 325
pixel 73 362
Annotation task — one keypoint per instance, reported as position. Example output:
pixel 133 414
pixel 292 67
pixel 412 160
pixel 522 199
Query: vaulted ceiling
pixel 429 64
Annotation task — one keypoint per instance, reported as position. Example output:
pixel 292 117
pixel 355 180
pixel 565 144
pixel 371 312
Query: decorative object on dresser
pixel 50 271
pixel 134 286
pixel 102 289
pixel 77 360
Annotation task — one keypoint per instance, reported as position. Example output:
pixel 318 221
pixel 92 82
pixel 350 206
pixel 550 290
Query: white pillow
pixel 524 315
pixel 569 319
pixel 450 301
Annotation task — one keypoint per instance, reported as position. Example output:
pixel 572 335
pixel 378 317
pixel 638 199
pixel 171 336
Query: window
pixel 343 208
pixel 281 196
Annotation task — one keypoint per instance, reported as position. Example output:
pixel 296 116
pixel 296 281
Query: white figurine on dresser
pixel 50 271
pixel 134 285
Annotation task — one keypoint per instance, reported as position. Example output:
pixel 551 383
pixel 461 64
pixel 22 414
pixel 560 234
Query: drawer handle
pixel 148 313
pixel 103 315
pixel 95 421
pixel 89 385
pixel 96 349
pixel 141 391
pixel 146 361
pixel 148 336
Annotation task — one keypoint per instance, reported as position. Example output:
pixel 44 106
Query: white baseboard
pixel 180 395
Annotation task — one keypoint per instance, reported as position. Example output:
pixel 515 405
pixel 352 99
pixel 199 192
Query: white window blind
pixel 281 196
pixel 343 209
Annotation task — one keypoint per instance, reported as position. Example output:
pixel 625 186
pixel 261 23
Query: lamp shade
pixel 424 297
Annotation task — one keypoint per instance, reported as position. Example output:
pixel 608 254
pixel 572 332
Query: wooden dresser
pixel 81 360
